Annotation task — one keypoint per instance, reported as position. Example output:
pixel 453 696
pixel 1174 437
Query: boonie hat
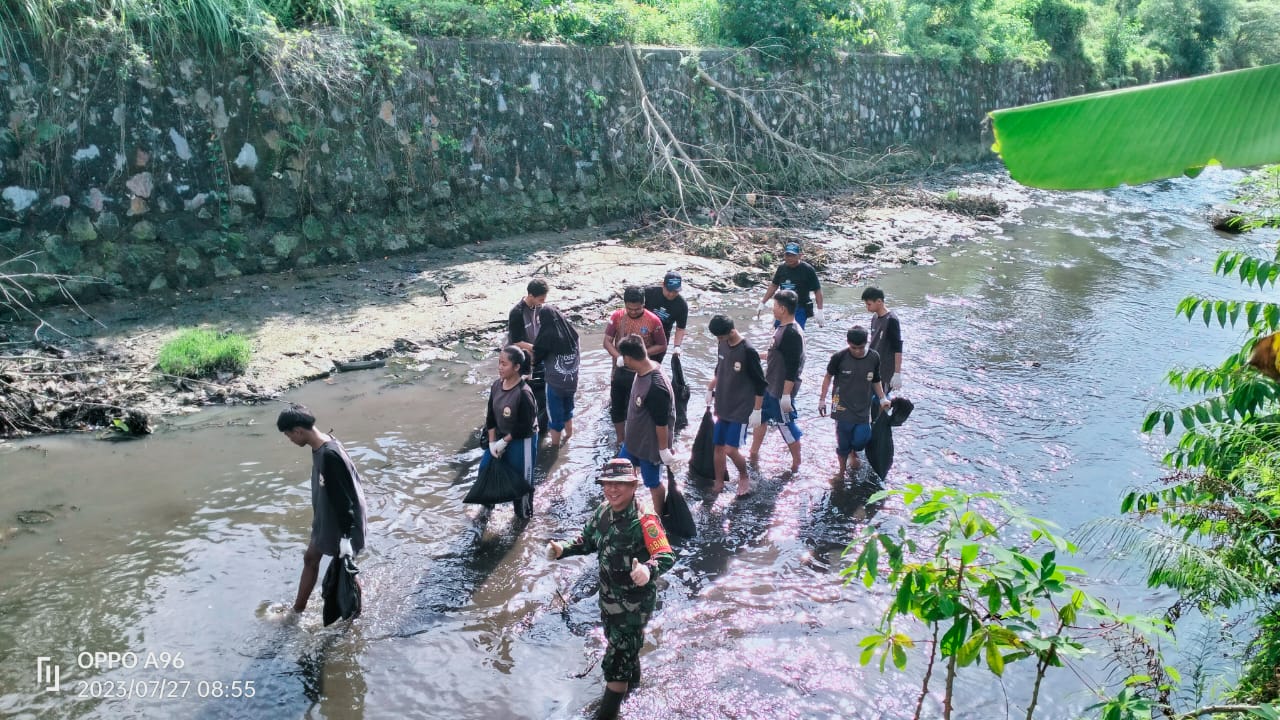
pixel 792 249
pixel 617 470
pixel 672 280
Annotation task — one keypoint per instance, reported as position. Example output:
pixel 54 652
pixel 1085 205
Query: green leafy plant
pixel 198 353
pixel 1153 132
pixel 983 601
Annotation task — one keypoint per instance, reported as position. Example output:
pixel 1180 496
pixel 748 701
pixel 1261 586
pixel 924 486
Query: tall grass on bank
pixel 197 353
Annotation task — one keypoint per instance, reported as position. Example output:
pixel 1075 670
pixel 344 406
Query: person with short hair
pixel 631 319
pixel 784 361
pixel 669 305
pixel 799 277
pixel 511 422
pixel 523 326
pixel 338 524
pixel 737 389
pixel 647 433
pixel 632 550
pixel 885 337
pixel 856 372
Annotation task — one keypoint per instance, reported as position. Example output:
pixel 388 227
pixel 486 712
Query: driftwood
pixel 353 365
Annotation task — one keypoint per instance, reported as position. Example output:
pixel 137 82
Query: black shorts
pixel 620 394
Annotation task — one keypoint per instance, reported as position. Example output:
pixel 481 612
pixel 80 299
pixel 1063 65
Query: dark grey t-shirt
pixel 335 494
pixel 786 359
pixel 739 379
pixel 649 406
pixel 853 378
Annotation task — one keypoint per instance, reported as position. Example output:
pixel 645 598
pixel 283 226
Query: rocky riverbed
pixel 88 368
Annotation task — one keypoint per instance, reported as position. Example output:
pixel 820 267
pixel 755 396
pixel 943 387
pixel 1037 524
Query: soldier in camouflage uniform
pixel 632 548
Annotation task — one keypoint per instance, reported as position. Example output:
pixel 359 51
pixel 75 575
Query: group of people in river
pixel 538 374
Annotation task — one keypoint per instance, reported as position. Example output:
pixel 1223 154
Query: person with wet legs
pixel 558 351
pixel 524 323
pixel 631 319
pixel 784 361
pixel 632 550
pixel 884 337
pixel 737 389
pixel 647 433
pixel 856 372
pixel 338 525
pixel 669 305
pixel 511 422
pixel 798 276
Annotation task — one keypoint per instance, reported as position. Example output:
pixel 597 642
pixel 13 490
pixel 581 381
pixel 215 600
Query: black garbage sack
pixel 676 518
pixel 341 591
pixel 880 447
pixel 702 458
pixel 497 483
pixel 681 390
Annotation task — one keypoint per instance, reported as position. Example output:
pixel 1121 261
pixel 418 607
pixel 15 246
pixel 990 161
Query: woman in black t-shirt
pixel 511 423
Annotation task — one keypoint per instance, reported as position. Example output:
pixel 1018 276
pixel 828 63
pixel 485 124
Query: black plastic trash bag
pixel 880 447
pixel 681 390
pixel 341 591
pixel 498 483
pixel 676 517
pixel 702 459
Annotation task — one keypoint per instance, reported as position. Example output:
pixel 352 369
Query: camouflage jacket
pixel 617 538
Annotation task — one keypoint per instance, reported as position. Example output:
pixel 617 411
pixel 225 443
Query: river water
pixel 1032 354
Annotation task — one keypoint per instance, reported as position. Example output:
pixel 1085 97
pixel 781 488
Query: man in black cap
pixel 798 276
pixel 666 302
pixel 631 549
pixel 856 371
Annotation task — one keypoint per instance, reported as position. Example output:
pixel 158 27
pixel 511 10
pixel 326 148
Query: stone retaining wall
pixel 200 171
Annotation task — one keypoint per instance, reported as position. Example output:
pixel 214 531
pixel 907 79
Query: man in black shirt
pixel 666 302
pixel 784 363
pixel 799 277
pixel 523 325
pixel 885 337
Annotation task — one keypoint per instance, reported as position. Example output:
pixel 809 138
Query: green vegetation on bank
pixel 197 353
pixel 326 41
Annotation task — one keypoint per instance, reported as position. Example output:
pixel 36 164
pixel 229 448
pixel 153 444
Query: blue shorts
pixel 559 409
pixel 729 433
pixel 649 472
pixel 771 412
pixel 851 437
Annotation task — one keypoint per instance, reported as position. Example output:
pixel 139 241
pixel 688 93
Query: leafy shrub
pixel 197 353
pixel 592 23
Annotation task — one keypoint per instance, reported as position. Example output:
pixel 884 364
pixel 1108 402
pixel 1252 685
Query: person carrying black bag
pixel 511 422
pixel 338 525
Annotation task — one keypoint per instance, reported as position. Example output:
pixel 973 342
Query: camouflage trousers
pixel 622 653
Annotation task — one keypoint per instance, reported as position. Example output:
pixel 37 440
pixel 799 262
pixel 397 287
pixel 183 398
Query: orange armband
pixel 655 538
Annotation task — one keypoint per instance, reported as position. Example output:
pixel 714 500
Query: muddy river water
pixel 1032 355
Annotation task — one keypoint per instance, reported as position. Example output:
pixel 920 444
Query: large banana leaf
pixel 1140 134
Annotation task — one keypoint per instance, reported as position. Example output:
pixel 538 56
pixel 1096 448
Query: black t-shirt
pixel 673 312
pixel 802 278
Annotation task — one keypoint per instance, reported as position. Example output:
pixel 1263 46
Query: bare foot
pixel 754 459
pixel 854 462
pixel 744 486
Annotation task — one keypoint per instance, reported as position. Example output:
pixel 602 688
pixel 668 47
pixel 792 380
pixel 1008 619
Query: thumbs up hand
pixel 639 573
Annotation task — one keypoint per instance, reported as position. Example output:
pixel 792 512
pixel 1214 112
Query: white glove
pixel 668 457
pixel 764 308
pixel 785 404
pixel 819 317
pixel 497 447
pixel 554 550
pixel 344 547
pixel 675 350
pixel 896 382
pixel 639 573
pixel 711 397
pixel 822 408
pixel 754 420
pixel 619 361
